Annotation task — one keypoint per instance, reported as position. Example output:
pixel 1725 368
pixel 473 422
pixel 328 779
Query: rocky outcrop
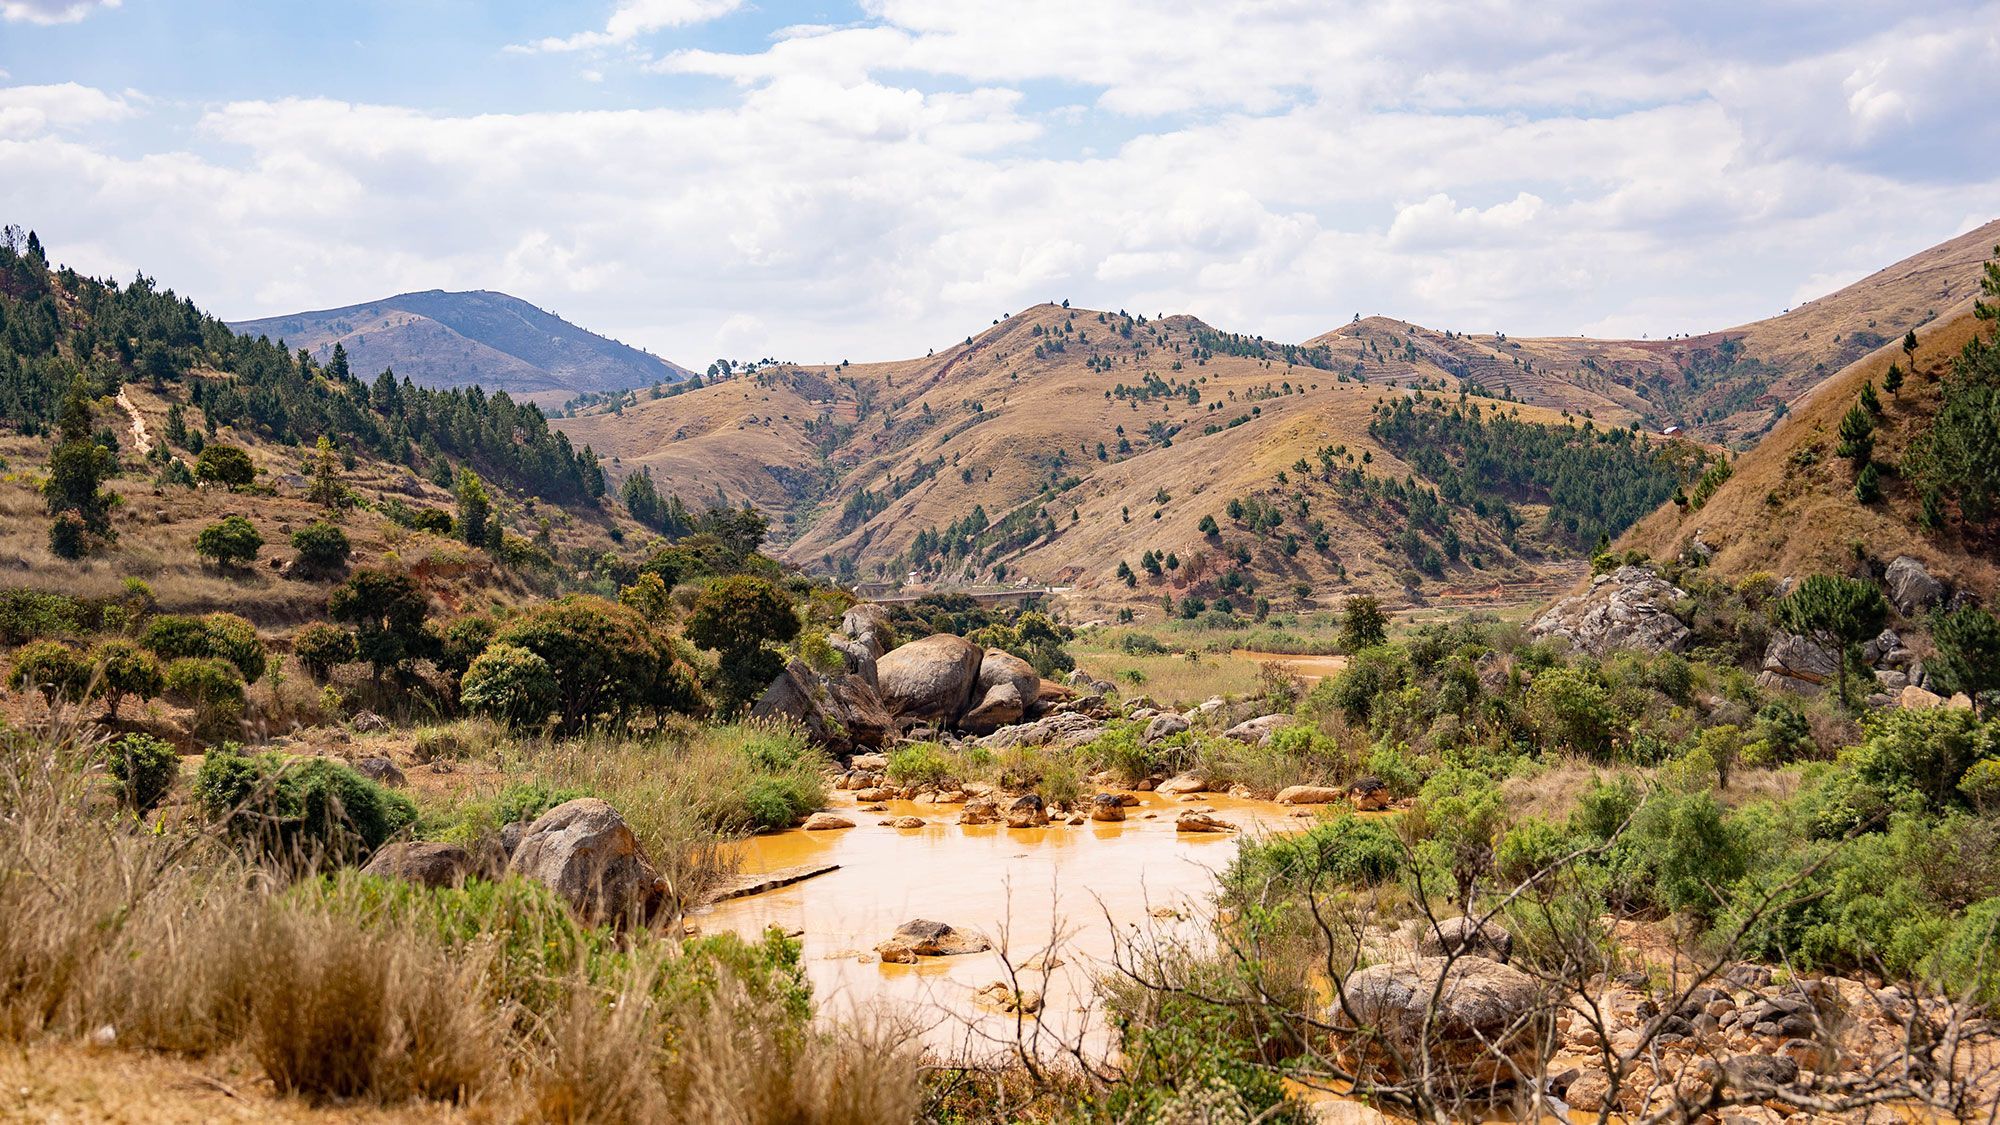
pixel 868 625
pixel 1257 731
pixel 1794 657
pixel 1481 1027
pixel 1468 937
pixel 1911 588
pixel 1163 726
pixel 930 680
pixel 858 658
pixel 424 862
pixel 923 938
pixel 1063 730
pixel 584 851
pixel 840 712
pixel 1631 607
pixel 1006 688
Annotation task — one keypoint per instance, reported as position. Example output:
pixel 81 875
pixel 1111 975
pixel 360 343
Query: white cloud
pixel 635 18
pixel 50 11
pixel 1274 166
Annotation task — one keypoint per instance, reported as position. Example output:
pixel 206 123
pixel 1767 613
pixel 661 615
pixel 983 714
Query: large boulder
pixel 1007 688
pixel 858 657
pixel 1468 937
pixel 1257 731
pixel 1064 730
pixel 1790 656
pixel 930 680
pixel 840 712
pixel 424 862
pixel 1911 587
pixel 1310 795
pixel 585 852
pixel 1027 811
pixel 1631 607
pixel 1107 807
pixel 1163 726
pixel 923 938
pixel 868 624
pixel 1481 1028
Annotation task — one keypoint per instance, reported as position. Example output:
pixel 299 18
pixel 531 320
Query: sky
pixel 821 181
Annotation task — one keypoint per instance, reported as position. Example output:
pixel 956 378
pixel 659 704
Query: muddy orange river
pixel 1086 890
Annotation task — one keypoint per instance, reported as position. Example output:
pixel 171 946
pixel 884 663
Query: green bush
pixel 920 764
pixel 750 777
pixel 300 809
pixel 1344 851
pixel 1571 711
pixel 1924 754
pixel 123 669
pixel 145 768
pixel 511 685
pixel 1969 962
pixel 29 615
pixel 321 648
pixel 608 664
pixel 322 548
pixel 56 670
pixel 211 688
pixel 230 541
pixel 224 464
pixel 221 636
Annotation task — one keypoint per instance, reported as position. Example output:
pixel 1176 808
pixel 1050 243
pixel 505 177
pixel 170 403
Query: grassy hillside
pixel 1790 507
pixel 1727 386
pixel 1061 442
pixel 441 339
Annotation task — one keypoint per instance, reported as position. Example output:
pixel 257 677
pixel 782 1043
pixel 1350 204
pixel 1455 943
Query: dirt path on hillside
pixel 139 436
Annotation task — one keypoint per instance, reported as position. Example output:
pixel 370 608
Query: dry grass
pixel 165 939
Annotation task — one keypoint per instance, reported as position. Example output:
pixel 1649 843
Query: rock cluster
pixel 1631 607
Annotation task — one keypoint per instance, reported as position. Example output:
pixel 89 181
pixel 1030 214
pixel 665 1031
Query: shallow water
pixel 1083 888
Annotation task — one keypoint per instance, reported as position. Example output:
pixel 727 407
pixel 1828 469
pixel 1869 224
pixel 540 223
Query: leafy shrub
pixel 736 617
pixel 211 688
pixel 1969 963
pixel 321 648
pixel 510 684
pixel 1571 712
pixel 123 669
pixel 293 809
pixel 56 670
pixel 225 465
pixel 920 764
pixel 462 641
pixel 1345 850
pixel 221 636
pixel 1924 753
pixel 230 541
pixel 28 615
pixel 608 664
pixel 145 768
pixel 322 548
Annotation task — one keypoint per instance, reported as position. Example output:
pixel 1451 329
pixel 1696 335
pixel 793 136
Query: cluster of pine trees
pixel 58 329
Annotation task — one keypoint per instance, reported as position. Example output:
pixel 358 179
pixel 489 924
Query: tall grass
pixel 353 989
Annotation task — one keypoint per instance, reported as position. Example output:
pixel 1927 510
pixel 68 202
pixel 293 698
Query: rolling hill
pixel 1729 386
pixel 1059 443
pixel 501 343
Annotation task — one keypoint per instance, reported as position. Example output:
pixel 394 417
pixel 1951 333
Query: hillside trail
pixel 139 435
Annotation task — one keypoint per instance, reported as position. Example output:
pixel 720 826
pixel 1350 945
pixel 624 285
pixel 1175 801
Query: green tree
pixel 739 617
pixel 1125 574
pixel 56 670
pixel 73 492
pixel 1209 527
pixel 230 541
pixel 608 663
pixel 326 488
pixel 1857 435
pixel 510 684
pixel 1893 380
pixel 123 669
pixel 1363 624
pixel 212 689
pixel 475 507
pixel 1968 655
pixel 322 548
pixel 387 612
pixel 1870 401
pixel 1840 612
pixel 321 648
pixel 1868 484
pixel 144 767
pixel 1910 348
pixel 225 465
pixel 1571 711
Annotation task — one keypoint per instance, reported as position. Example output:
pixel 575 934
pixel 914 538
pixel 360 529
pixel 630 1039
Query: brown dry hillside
pixel 1725 386
pixel 1091 437
pixel 1790 509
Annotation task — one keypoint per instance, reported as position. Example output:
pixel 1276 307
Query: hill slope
pixel 440 339
pixel 1728 386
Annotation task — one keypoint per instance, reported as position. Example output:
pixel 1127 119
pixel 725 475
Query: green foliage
pixel 144 767
pixel 461 642
pixel 78 468
pixel 1969 963
pixel 123 668
pixel 226 465
pixel 1363 624
pixel 1345 850
pixel 212 688
pixel 300 809
pixel 223 636
pixel 1968 655
pixel 388 613
pixel 1857 435
pixel 1959 455
pixel 739 617
pixel 230 541
pixel 56 670
pixel 322 548
pixel 321 648
pixel 759 778
pixel 919 764
pixel 27 615
pixel 609 665
pixel 1843 612
pixel 1033 636
pixel 1571 711
pixel 475 507
pixel 510 684
pixel 1922 755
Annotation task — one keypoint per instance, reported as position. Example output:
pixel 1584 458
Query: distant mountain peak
pixel 440 338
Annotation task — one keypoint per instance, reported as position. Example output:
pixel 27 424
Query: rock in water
pixel 1483 1021
pixel 1107 807
pixel 1632 607
pixel 585 852
pixel 1309 795
pixel 826 822
pixel 923 938
pixel 931 679
pixel 1195 820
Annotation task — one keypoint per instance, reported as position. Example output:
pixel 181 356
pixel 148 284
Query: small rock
pixel 1309 795
pixel 980 810
pixel 923 938
pixel 382 771
pixel 1196 820
pixel 1181 785
pixel 367 722
pixel 1163 726
pixel 908 822
pixel 1107 807
pixel 1466 936
pixel 826 821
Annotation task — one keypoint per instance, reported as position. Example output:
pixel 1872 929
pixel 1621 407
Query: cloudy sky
pixel 826 180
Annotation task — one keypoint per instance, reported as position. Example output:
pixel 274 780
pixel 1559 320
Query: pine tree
pixel 1842 612
pixel 78 467
pixel 474 507
pixel 1857 436
pixel 1893 380
pixel 1870 401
